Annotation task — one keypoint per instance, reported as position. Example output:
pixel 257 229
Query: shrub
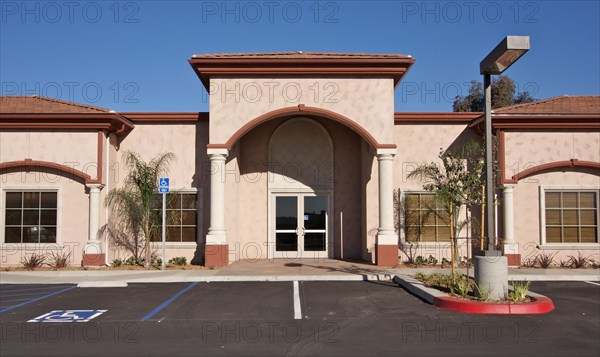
pixel 59 260
pixel 117 262
pixel 565 264
pixel 483 293
pixel 466 262
pixel 578 262
pixel 461 286
pixel 432 260
pixel 133 261
pixel 33 261
pixel 529 263
pixel 420 260
pixel 545 260
pixel 155 261
pixel 178 261
pixel 519 291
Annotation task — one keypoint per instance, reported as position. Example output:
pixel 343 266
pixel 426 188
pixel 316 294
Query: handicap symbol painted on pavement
pixel 68 316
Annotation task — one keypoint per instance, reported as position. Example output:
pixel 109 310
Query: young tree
pixel 473 102
pixel 457 185
pixel 524 97
pixel 503 95
pixel 135 221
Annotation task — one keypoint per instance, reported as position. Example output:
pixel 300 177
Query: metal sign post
pixel 163 187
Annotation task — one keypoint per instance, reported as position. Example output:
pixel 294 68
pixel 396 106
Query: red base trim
pixel 386 255
pixel 541 305
pixel 216 255
pixel 514 260
pixel 93 259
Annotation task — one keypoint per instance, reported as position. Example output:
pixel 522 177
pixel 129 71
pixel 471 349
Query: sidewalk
pixel 272 270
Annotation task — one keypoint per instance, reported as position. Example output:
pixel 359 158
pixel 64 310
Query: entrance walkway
pixel 301 267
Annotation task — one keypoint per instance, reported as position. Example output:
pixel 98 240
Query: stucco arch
pixel 28 163
pixel 307 146
pixel 554 166
pixel 302 110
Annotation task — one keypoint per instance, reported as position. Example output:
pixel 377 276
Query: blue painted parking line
pixel 2 296
pixel 46 288
pixel 16 300
pixel 166 303
pixel 29 301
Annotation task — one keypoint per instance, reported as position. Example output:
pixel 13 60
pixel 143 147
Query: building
pixel 298 157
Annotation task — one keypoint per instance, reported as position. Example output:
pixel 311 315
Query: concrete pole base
pixel 491 274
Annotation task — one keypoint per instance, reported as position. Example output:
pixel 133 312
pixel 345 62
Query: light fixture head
pixel 508 51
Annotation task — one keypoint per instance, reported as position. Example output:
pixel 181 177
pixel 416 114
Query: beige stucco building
pixel 300 156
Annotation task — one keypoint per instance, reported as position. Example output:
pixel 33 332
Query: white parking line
pixel 591 282
pixel 297 308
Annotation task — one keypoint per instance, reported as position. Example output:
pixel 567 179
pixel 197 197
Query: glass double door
pixel 301 225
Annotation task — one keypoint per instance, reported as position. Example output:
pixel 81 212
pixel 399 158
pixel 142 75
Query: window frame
pixel 402 233
pixel 57 190
pixel 542 227
pixel 199 222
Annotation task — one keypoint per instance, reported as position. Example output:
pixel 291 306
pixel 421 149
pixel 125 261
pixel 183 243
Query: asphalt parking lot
pixel 286 318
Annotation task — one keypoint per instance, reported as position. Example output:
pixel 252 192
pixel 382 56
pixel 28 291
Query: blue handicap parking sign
pixel 163 184
pixel 68 316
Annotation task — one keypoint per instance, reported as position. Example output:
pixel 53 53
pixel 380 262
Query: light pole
pixel 491 271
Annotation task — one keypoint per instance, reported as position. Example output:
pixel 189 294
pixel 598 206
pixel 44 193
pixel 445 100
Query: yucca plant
pixel 33 261
pixel 59 260
pixel 545 260
pixel 578 262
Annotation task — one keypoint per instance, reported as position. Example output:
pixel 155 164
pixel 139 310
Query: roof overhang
pixel 166 117
pixel 110 121
pixel 206 68
pixel 436 117
pixel 541 121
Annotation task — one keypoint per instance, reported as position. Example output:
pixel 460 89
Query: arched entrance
pixel 300 188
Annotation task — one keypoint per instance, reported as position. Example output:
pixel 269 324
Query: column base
pixel 216 255
pixel 386 255
pixel 514 260
pixel 511 252
pixel 92 255
pixel 93 260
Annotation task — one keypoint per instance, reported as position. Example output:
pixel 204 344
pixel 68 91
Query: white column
pixel 510 247
pixel 93 244
pixel 385 232
pixel 217 234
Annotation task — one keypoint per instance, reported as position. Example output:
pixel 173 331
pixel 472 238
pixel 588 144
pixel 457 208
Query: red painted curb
pixel 541 305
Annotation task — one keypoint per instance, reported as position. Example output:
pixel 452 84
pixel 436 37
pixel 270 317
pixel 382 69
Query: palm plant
pixel 457 186
pixel 134 220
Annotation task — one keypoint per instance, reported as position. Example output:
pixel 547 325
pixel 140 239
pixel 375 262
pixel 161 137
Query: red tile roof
pixel 300 55
pixel 581 104
pixel 44 105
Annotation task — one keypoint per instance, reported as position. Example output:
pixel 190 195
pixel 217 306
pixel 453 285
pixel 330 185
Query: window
pixel 181 217
pixel 30 217
pixel 571 216
pixel 425 219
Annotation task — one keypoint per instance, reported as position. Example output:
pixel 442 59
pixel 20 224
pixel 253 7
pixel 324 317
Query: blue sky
pixel 132 56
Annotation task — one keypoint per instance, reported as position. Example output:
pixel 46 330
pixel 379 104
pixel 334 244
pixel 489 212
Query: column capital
pixel 216 152
pixel 96 187
pixel 509 186
pixel 387 152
